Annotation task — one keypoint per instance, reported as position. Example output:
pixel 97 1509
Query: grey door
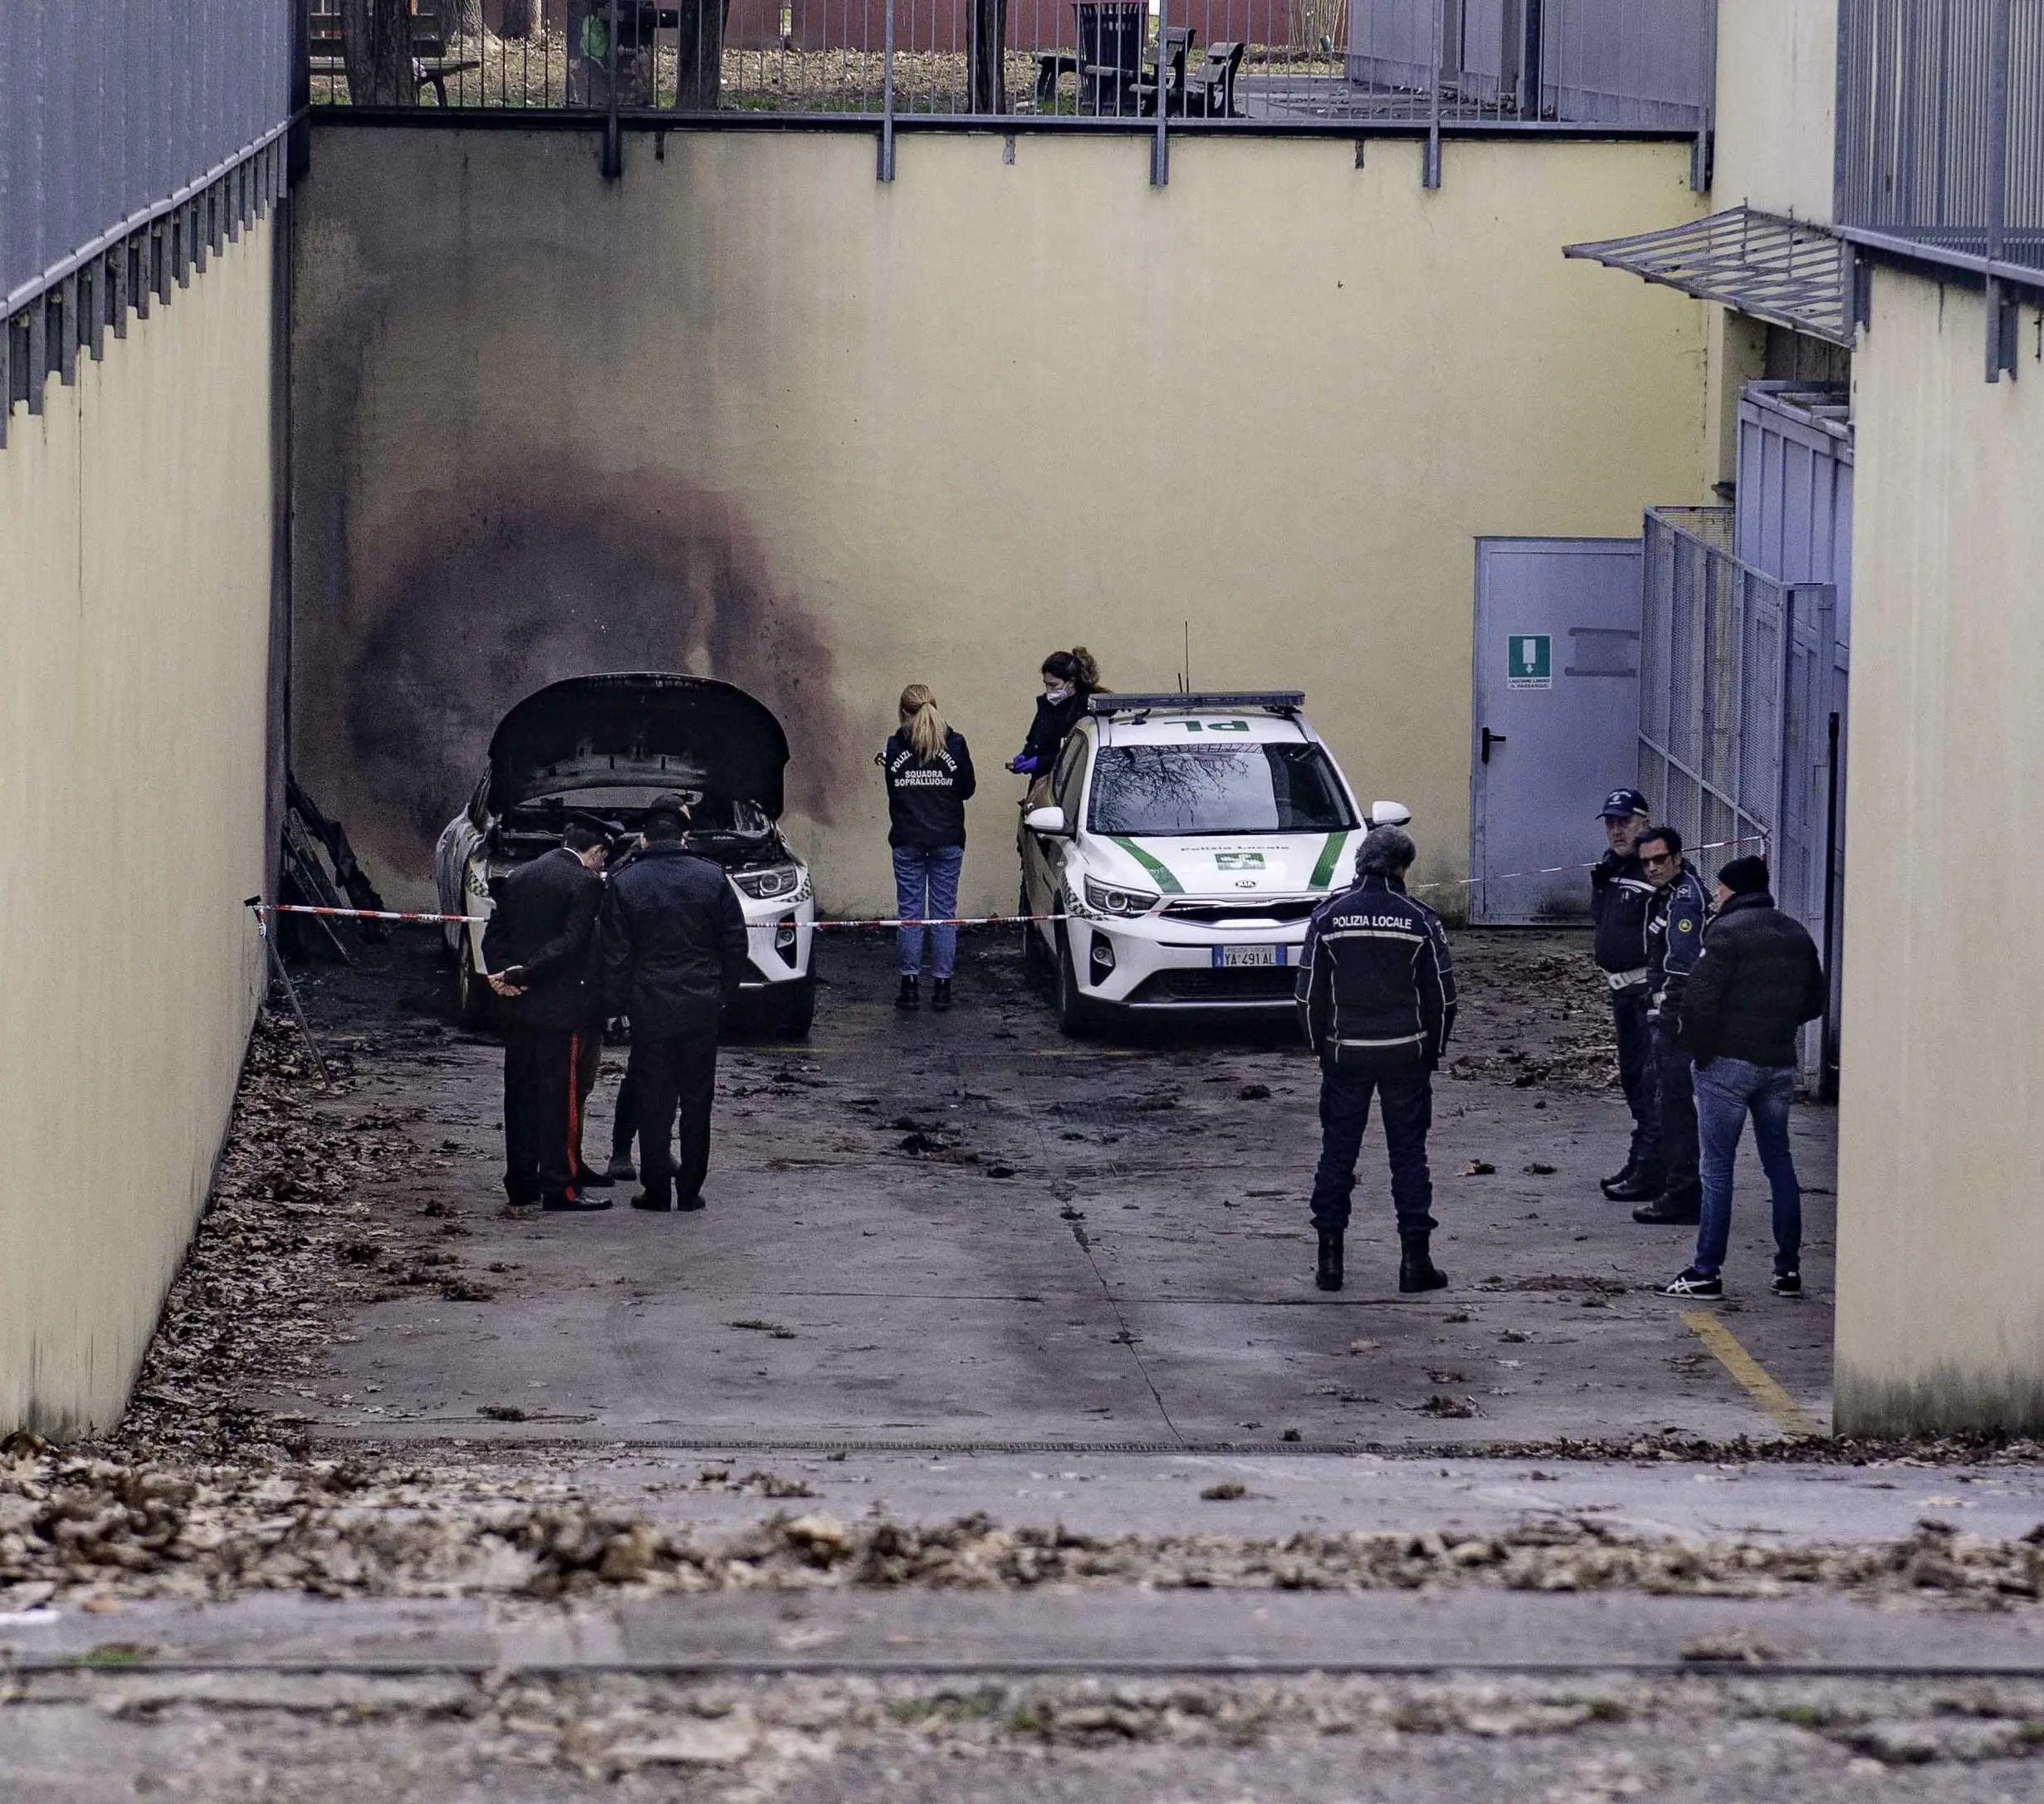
pixel 1557 718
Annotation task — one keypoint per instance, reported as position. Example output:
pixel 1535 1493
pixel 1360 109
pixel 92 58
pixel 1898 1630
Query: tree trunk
pixel 699 70
pixel 511 18
pixel 376 45
pixel 987 74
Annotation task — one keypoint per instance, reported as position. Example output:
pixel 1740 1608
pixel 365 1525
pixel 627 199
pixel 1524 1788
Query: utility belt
pixel 1627 980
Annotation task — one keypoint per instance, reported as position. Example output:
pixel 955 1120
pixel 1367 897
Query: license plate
pixel 1228 957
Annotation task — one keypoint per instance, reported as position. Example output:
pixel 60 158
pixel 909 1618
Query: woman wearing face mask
pixel 1068 678
pixel 929 770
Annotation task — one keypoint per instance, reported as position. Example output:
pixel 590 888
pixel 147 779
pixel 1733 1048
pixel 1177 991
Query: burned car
pixel 593 752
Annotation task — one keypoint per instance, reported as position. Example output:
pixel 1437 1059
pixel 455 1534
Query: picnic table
pixel 1119 72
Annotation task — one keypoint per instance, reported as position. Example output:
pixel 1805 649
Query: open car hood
pixel 636 729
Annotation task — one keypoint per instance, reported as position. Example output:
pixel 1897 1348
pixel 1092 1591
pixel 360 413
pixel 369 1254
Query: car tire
pixel 794 1009
pixel 1035 956
pixel 1076 1014
pixel 472 995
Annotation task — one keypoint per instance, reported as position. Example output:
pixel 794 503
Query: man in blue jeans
pixel 1756 981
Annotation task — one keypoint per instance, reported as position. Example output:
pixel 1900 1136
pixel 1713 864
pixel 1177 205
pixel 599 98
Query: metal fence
pixel 1941 126
pixel 1741 678
pixel 108 107
pixel 1635 63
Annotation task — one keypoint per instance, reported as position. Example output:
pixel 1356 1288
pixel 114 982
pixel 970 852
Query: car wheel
pixel 1075 1012
pixel 472 994
pixel 1035 957
pixel 794 1010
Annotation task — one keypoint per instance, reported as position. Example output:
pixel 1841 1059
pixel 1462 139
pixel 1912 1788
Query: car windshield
pixel 1217 788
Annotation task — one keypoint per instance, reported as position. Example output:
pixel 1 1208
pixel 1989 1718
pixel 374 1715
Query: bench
pixel 1209 92
pixel 431 65
pixel 1179 41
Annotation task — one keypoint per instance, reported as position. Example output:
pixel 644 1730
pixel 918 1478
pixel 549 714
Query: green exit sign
pixel 1529 661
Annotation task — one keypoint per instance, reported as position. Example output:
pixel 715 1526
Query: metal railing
pixel 1941 128
pixel 1739 679
pixel 109 107
pixel 1643 64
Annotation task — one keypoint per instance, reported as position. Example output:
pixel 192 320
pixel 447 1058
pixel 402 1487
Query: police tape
pixel 412 917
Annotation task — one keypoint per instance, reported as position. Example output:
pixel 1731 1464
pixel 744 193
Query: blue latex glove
pixel 1023 766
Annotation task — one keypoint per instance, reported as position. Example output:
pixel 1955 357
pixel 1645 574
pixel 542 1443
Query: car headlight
pixel 778 880
pixel 1110 899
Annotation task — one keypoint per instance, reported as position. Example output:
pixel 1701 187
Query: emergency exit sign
pixel 1529 661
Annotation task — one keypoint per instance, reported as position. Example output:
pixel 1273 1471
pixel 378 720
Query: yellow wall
pixel 134 619
pixel 1777 95
pixel 749 412
pixel 1941 1153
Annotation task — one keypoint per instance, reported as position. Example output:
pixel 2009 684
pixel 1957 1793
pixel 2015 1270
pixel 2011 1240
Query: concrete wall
pixel 135 610
pixel 1941 1160
pixel 1777 105
pixel 748 412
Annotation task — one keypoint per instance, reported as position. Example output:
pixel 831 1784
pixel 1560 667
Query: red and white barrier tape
pixel 947 921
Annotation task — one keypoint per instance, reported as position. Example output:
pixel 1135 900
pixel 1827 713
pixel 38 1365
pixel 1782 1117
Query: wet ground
pixel 985 1439
pixel 967 1230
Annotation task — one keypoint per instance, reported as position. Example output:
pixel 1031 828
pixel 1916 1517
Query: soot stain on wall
pixel 532 575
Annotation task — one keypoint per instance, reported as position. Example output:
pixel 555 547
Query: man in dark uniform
pixel 674 953
pixel 537 947
pixel 1619 896
pixel 1377 998
pixel 1674 935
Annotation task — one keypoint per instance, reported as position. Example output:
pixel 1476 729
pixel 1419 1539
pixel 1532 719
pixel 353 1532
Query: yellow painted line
pixel 1789 1416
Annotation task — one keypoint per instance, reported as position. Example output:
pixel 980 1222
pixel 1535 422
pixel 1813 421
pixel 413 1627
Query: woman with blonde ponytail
pixel 928 771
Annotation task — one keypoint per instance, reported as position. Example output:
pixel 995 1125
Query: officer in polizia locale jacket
pixel 1675 935
pixel 1377 998
pixel 1619 896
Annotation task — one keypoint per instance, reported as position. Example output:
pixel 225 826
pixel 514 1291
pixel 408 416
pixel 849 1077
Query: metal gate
pixel 1742 678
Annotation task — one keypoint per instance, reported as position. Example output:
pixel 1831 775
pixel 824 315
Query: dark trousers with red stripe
pixel 542 1111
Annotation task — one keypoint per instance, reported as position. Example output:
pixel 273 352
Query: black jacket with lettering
pixel 1675 936
pixel 1376 981
pixel 673 943
pixel 539 936
pixel 1620 895
pixel 927 797
pixel 1757 979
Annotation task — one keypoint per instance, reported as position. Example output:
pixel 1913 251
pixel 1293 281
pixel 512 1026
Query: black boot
pixel 1416 1269
pixel 1646 1183
pixel 940 995
pixel 1328 1275
pixel 1678 1209
pixel 907 997
pixel 1607 1185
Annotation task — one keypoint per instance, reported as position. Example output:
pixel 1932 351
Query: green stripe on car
pixel 1165 881
pixel 1330 856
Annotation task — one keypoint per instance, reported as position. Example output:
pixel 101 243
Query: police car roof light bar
pixel 1271 700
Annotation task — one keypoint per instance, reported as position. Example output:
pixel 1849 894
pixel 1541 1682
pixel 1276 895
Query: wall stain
pixel 541 571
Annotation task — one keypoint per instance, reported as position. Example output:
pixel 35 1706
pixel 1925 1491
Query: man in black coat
pixel 674 952
pixel 1757 981
pixel 537 948
pixel 1377 998
pixel 1619 897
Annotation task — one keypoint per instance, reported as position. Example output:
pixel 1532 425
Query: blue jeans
pixel 926 887
pixel 1727 1090
pixel 1407 1094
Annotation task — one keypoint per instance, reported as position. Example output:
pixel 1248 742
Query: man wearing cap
pixel 1757 981
pixel 674 952
pixel 1620 895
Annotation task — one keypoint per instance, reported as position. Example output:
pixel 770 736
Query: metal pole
pixel 2001 308
pixel 1160 149
pixel 275 964
pixel 886 171
pixel 1429 173
pixel 1706 97
pixel 1828 1076
pixel 613 141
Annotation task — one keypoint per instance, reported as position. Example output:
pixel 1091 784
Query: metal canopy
pixel 1785 270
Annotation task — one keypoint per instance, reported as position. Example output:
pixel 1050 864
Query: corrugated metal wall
pixel 108 106
pixel 1794 516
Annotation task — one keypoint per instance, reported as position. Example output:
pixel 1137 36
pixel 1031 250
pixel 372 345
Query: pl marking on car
pixel 1188 839
pixel 592 751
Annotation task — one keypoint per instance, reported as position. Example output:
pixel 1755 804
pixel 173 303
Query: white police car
pixel 1188 839
pixel 593 752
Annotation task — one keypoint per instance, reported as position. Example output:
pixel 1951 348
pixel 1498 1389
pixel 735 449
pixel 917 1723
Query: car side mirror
pixel 1050 821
